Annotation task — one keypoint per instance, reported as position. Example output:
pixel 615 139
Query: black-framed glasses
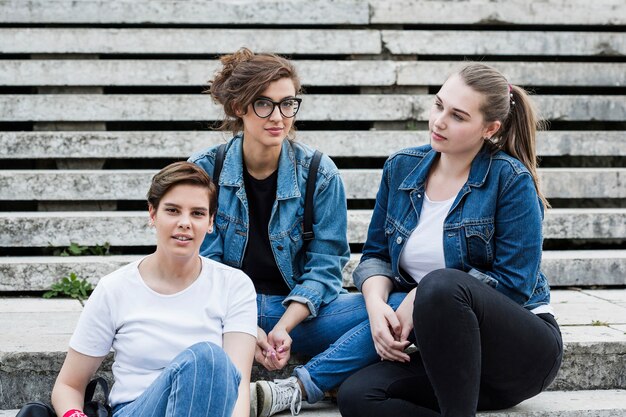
pixel 288 107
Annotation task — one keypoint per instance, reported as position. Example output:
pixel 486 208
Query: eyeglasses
pixel 264 107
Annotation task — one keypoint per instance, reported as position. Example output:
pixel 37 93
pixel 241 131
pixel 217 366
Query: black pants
pixel 478 350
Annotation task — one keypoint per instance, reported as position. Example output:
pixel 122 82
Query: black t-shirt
pixel 258 260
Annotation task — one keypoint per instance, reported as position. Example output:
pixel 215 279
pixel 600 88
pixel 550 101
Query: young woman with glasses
pixel 259 228
pixel 457 225
pixel 182 327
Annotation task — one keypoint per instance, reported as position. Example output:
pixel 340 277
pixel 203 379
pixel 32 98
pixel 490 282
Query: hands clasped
pixel 391 329
pixel 274 349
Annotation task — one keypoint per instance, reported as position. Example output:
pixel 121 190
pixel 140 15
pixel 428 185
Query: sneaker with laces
pixel 278 395
pixel 253 401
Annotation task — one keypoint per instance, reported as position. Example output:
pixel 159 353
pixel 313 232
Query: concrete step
pixel 327 107
pixel 486 42
pixel 240 12
pixel 317 12
pixel 599 403
pixel 129 184
pixel 563 268
pixel 348 143
pixel 41 229
pixel 309 41
pixel 96 72
pixel 519 12
pixel 192 41
pixel 36 332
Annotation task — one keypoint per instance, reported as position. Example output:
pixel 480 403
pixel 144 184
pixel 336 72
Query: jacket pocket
pixel 480 248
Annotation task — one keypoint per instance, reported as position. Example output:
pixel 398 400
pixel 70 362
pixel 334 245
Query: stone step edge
pixel 563 268
pixel 547 404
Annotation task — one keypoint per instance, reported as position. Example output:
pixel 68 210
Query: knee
pixel 208 357
pixel 351 399
pixel 438 288
pixel 347 399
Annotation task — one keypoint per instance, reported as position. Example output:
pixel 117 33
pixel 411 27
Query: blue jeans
pixel 200 381
pixel 339 340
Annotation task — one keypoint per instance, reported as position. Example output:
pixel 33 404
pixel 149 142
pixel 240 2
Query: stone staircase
pixel 96 96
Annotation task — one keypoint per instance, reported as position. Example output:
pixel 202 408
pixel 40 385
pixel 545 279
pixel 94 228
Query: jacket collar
pixel 477 176
pixel 232 170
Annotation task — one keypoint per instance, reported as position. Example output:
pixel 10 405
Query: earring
pixel 151 223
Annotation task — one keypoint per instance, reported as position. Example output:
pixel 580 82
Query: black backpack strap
pixel 93 384
pixel 307 234
pixel 220 154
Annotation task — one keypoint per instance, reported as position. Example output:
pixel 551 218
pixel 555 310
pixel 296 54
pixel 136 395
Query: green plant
pixel 70 286
pixel 77 250
pixel 599 323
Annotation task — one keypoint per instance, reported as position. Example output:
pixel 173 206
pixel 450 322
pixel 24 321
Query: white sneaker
pixel 281 394
pixel 253 402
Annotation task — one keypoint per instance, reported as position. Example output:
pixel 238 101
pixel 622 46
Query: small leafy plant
pixel 599 323
pixel 70 286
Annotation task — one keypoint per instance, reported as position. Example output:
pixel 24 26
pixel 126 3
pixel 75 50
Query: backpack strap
pixel 91 388
pixel 307 234
pixel 220 154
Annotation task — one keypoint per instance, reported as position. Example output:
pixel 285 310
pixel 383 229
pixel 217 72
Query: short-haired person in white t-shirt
pixel 183 327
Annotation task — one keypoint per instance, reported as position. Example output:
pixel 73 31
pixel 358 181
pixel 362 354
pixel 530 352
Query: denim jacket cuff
pixel 368 268
pixel 307 296
pixel 484 278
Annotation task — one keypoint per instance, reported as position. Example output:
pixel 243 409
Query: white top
pixel 147 329
pixel 423 250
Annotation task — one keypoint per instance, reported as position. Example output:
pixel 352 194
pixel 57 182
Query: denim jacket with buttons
pixel 492 231
pixel 313 275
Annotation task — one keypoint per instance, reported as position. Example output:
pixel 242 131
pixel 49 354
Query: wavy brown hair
pixel 244 75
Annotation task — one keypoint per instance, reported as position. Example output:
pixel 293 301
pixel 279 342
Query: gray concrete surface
pixel 563 268
pixel 148 72
pixel 25 229
pixel 181 144
pixel 323 107
pixel 128 184
pixel 484 42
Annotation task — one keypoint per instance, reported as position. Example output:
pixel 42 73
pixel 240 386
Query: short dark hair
pixel 181 173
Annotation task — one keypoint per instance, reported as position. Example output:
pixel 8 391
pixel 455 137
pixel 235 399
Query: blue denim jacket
pixel 493 229
pixel 314 275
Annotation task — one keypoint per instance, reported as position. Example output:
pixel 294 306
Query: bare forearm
pixel 376 288
pixel 295 314
pixel 64 398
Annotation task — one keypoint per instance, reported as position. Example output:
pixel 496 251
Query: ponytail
pixel 519 131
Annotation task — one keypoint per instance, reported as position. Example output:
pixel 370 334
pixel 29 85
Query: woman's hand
pixel 386 332
pixel 385 325
pixel 280 340
pixel 405 315
pixel 263 348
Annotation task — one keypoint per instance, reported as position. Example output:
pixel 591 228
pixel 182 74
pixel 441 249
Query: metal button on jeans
pixel 399 240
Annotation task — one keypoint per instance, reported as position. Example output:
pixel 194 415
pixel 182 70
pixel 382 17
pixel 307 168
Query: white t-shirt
pixel 423 251
pixel 147 329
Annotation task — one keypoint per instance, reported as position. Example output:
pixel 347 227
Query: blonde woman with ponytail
pixel 457 230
